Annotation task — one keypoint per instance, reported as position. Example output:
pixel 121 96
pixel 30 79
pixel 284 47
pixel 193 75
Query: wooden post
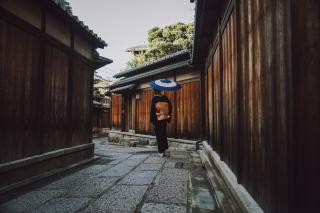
pixel 40 125
pixel 70 91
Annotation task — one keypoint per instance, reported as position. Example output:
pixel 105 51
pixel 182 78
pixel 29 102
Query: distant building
pixel 136 50
pixel 132 94
pixel 101 104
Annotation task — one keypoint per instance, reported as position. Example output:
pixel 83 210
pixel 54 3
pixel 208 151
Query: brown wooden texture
pixel 185 121
pixel 55 104
pixel 19 76
pixel 128 111
pixel 81 103
pixel 216 102
pixel 116 109
pixel 229 94
pixel 306 101
pixel 34 81
pixel 251 67
pixel 206 106
pixel 188 110
pixel 210 103
pixel 171 128
pixel 265 105
pixel 143 124
pixel 101 118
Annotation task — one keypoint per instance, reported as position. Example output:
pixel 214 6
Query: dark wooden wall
pixel 188 110
pixel 263 120
pixel 116 112
pixel 45 92
pixel 101 118
pixel 143 125
pixel 20 55
pixel 306 103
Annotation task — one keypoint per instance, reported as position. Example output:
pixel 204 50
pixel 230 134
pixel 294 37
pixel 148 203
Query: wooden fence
pixel 45 92
pixel 261 105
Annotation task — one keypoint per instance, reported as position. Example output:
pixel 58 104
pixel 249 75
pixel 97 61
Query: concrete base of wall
pixel 244 201
pixel 128 138
pixel 24 171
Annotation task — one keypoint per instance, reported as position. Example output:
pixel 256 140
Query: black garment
pixel 160 127
pixel 161 134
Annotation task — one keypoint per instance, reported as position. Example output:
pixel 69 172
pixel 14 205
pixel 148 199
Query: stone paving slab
pixel 120 199
pixel 173 175
pixel 132 162
pixel 63 205
pixel 170 192
pixel 102 161
pixel 141 156
pixel 162 208
pixel 93 170
pixel 93 187
pixel 139 178
pixel 149 167
pixel 30 201
pixel 66 183
pixel 117 161
pixel 116 171
pixel 155 159
pixel 112 154
pixel 170 164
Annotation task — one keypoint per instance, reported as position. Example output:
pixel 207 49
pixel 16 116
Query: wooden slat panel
pixel 116 104
pixel 55 100
pixel 101 118
pixel 19 91
pixel 264 102
pixel 306 103
pixel 81 103
pixel 171 129
pixel 188 110
pixel 216 102
pixel 210 103
pixel 143 112
pixel 256 91
pixel 206 105
pixel 229 93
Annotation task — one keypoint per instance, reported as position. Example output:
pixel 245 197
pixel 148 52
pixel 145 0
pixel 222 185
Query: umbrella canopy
pixel 164 84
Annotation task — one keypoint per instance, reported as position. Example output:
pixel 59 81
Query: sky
pixel 125 23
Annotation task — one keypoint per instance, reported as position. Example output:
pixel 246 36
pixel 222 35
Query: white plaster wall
pixel 28 10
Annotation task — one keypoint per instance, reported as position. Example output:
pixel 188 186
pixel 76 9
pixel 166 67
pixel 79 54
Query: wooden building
pixel 47 63
pixel 101 116
pixel 260 83
pixel 131 97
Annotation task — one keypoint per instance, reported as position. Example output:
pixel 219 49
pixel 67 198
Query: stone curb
pixel 244 200
pixel 45 175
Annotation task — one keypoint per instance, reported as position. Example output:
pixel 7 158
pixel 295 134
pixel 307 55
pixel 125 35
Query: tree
pixel 164 41
pixel 65 5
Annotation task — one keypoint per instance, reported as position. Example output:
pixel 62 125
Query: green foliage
pixel 96 80
pixel 137 60
pixel 164 41
pixel 65 5
pixel 97 95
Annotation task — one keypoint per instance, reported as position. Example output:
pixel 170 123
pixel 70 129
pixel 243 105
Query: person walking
pixel 160 115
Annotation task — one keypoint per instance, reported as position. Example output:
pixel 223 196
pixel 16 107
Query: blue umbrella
pixel 165 84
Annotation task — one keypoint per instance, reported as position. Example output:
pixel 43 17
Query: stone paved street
pixel 123 179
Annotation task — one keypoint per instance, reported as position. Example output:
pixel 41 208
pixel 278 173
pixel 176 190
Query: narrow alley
pixel 121 179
